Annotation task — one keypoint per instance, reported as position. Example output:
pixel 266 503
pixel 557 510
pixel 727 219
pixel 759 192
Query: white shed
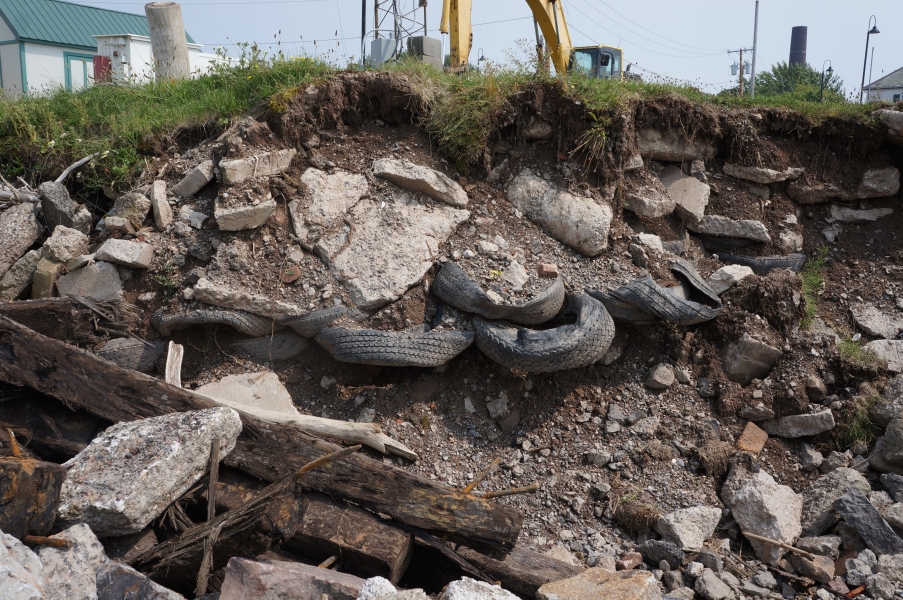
pixel 889 87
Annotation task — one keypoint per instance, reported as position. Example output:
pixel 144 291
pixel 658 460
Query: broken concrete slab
pixel 65 244
pixel 727 277
pixel 818 499
pixel 761 174
pixel 99 280
pixel 30 490
pixel 258 580
pixel 470 589
pixel 691 197
pixel 126 253
pixel 854 507
pixel 744 229
pixel 234 172
pixel 845 214
pixel 874 321
pixel 649 198
pixel 196 179
pixel 890 351
pixel 116 581
pixel 795 426
pixel 113 224
pixel 597 583
pixel 417 178
pixel 672 146
pixel 192 217
pixel 45 277
pixel 19 229
pixel 689 528
pixel 72 572
pixel 748 359
pixel 577 222
pixel 160 206
pixel 21 574
pixel 329 196
pixel 389 249
pixel 134 207
pixel 129 474
pixel 19 276
pixel 60 209
pixel 875 183
pixel 239 298
pixel 243 217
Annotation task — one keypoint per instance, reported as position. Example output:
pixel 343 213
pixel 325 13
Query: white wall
pixel 888 94
pixel 5 32
pixel 12 73
pixel 44 67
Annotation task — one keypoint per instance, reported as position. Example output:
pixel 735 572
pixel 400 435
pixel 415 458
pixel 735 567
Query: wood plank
pixel 267 451
pixel 58 318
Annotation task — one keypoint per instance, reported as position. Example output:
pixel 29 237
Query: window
pixel 79 70
pixel 584 60
pixel 897 97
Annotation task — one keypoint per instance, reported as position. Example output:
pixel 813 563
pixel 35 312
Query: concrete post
pixel 168 41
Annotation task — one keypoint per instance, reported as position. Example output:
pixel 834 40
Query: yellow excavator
pixel 602 62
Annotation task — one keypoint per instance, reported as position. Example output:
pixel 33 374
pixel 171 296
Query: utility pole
pixel 752 78
pixel 363 31
pixel 742 67
pixel 741 73
pixel 871 66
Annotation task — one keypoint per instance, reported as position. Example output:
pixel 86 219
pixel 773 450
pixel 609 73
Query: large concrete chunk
pixel 599 584
pixel 875 183
pixel 876 322
pixel 691 197
pixel 98 280
pixel 19 276
pixel 854 507
pixel 45 277
pixel 470 589
pixel 233 172
pixel 129 474
pixel 417 178
pixel 890 351
pixel 19 229
pixel 845 214
pixel 689 527
pixel 796 426
pixel 133 207
pixel 116 581
pixel 744 229
pixel 65 244
pixel 389 248
pixel 21 576
pixel 672 146
pixel 160 206
pixel 29 494
pixel 134 255
pixel 196 179
pixel 649 201
pixel 255 580
pixel 761 174
pixel 748 359
pixel 328 198
pixel 727 277
pixel 577 222
pixel 239 298
pixel 243 217
pixel 71 573
pixel 818 499
pixel 60 209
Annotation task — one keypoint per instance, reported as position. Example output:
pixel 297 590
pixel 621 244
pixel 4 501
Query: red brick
pixel 548 270
pixel 752 439
pixel 629 561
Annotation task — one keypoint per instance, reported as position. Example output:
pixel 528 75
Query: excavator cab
pixel 598 62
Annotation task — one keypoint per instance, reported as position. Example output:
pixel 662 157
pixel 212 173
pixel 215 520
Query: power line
pixel 652 32
pixel 206 3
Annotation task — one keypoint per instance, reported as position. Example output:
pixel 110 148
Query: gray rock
pixel 710 587
pixel 45 277
pixel 661 377
pixel 193 217
pixel 60 209
pixel 577 222
pixel 234 172
pixel 849 539
pixel 160 206
pixel 892 451
pixel 890 351
pixel 328 198
pixel 819 568
pixel 823 545
pixel 21 574
pixel 748 359
pixel 835 460
pixel 855 508
pixel 116 581
pixel 113 225
pixel 691 197
pixel 71 573
pixel 845 214
pixel 689 527
pixel 19 229
pixel 880 586
pixel 765 579
pixel 890 403
pixel 417 178
pixel 710 560
pixel 816 389
pixel 99 280
pixel 727 277
pixel 832 233
pixel 761 174
pixel 135 255
pixel 757 412
pixel 655 551
pixel 649 201
pixel 891 565
pixel 672 146
pixel 751 589
pixel 893 483
pixel 129 474
pixel 875 322
pixel 810 458
pixel 243 217
pixel 790 241
pixel 65 244
pixel 469 589
pixel 134 207
pixel 196 179
pixel 725 227
pixel 857 571
pixel 376 587
pixel 17 279
pixel 818 499
pixel 894 515
pixel 875 183
pixel 796 426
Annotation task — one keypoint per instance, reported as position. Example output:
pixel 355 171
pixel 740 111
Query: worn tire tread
pixel 253 325
pixel 312 323
pixel 394 349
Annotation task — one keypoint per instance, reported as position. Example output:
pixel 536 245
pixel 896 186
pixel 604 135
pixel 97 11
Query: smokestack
pixel 798 45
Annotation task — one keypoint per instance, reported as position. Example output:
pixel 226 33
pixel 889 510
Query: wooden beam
pixel 59 318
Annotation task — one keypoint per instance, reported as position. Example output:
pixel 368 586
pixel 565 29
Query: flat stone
pixel 893 441
pixel 240 298
pixel 890 351
pixel 751 589
pixel 574 221
pixel 656 551
pixel 744 229
pixel 748 359
pixel 45 277
pixel 761 174
pixel 875 322
pixel 417 178
pixel 134 255
pixel 691 197
pixel 99 280
pixel 243 217
pixel 134 207
pixel 389 249
pixel 256 580
pixel 17 279
pixel 756 412
pixel 113 224
pixel 72 572
pixel 710 587
pixel 116 581
pixel 646 427
pixel 21 574
pixel 160 206
pixel 196 179
pixel 651 241
pixel 752 439
pixel 129 474
pixel 845 214
pixel 630 560
pixel 234 172
pixel 328 198
pixel 30 491
pixel 19 229
pixel 599 584
pixel 547 270
pixel 823 545
pixel 689 527
pixel 855 508
pixel 796 426
pixel 819 568
pixel 60 209
pixel 65 244
pixel 648 201
pixel 875 183
pixel 661 377
pixel 836 460
pixel 818 499
pixel 710 560
pixel 672 146
pixel 469 589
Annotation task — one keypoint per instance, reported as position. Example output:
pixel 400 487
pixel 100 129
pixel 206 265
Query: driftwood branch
pixel 174 356
pixel 762 538
pixel 74 166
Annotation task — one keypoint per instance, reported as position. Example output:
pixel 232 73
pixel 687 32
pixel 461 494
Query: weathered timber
pixel 61 446
pixel 523 571
pixel 58 318
pixel 265 450
pixel 29 495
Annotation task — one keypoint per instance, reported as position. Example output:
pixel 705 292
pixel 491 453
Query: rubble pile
pixel 309 359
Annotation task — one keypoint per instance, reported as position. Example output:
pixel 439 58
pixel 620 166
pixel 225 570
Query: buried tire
pixel 253 325
pixel 566 347
pixel 312 323
pixel 394 349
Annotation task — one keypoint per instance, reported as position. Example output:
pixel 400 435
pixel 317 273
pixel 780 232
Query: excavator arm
pixel 549 14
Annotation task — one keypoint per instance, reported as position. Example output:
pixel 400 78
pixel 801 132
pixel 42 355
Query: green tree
pixel 800 81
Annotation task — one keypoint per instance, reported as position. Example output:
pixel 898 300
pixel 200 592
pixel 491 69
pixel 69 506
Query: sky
pixel 679 40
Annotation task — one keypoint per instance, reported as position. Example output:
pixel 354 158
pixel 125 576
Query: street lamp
pixel 830 71
pixel 874 29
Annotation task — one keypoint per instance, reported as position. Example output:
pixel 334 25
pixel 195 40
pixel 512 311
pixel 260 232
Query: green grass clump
pixel 813 280
pixel 858 357
pixel 856 423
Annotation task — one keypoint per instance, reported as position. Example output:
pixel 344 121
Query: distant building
pixel 49 43
pixel 889 87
